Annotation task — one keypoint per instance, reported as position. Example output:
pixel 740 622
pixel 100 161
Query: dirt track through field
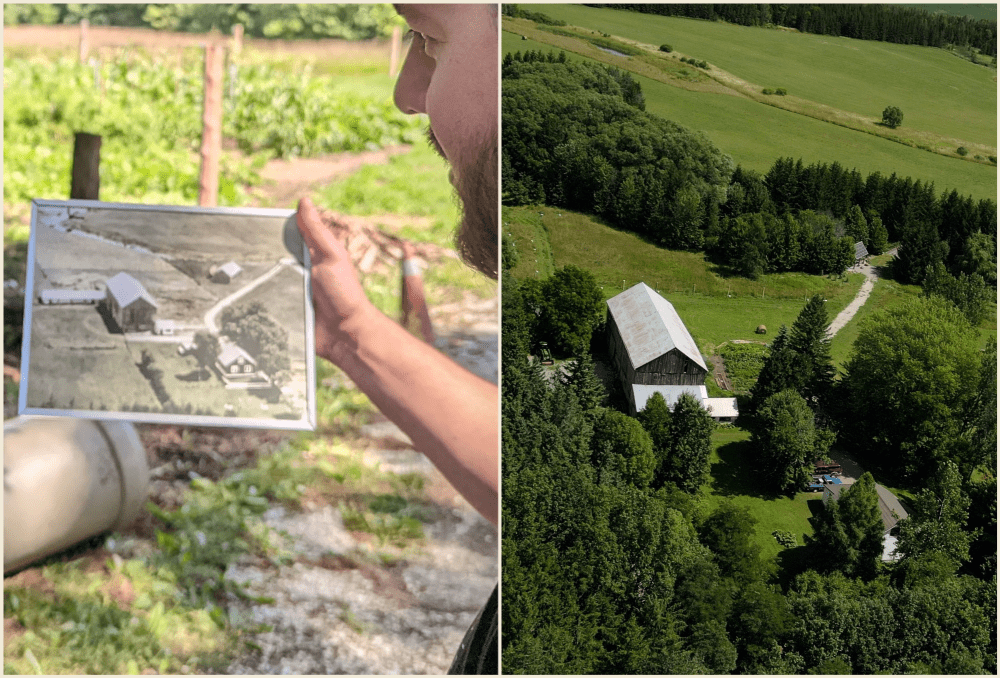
pixel 845 316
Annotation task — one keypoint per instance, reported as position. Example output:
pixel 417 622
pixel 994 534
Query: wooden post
pixel 211 131
pixel 86 182
pixel 395 49
pixel 84 26
pixel 237 41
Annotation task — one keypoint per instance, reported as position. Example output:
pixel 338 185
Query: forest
pixel 885 22
pixel 613 563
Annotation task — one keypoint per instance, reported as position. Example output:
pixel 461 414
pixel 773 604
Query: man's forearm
pixel 450 414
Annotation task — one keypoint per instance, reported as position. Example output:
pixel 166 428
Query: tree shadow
pixel 271 394
pixel 734 475
pixel 791 563
pixel 194 375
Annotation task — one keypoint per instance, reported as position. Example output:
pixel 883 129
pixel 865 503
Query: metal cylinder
pixel 66 480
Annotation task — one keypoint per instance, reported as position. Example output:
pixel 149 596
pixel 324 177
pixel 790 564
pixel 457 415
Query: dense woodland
pixel 576 136
pixel 613 564
pixel 885 22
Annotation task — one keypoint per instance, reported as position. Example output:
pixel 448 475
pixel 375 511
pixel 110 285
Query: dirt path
pixel 845 316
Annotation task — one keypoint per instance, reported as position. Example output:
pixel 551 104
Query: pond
pixel 611 51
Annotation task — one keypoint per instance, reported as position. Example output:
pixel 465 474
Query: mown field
pixel 715 308
pixel 937 91
pixel 755 134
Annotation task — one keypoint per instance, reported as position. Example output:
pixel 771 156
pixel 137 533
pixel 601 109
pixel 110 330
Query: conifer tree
pixel 808 340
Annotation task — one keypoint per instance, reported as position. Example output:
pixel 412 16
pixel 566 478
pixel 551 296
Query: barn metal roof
pixel 126 289
pixel 650 326
pixel 670 392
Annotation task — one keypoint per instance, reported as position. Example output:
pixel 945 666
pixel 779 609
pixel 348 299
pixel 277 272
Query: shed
pixel 70 296
pixel 166 327
pixel 860 252
pixel 889 507
pixel 722 409
pixel 129 303
pixel 226 272
pixel 649 344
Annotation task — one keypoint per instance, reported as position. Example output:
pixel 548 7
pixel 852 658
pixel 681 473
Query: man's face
pixel 451 75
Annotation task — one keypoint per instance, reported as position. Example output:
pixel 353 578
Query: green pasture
pixel 732 478
pixel 532 243
pixel 936 91
pixel 715 308
pixel 755 135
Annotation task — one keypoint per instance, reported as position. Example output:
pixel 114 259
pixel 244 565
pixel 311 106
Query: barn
pixel 226 272
pixel 649 344
pixel 128 302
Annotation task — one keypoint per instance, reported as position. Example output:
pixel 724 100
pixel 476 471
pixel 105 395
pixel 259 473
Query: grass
pixel 732 479
pixel 532 243
pixel 695 102
pixel 715 309
pixel 936 91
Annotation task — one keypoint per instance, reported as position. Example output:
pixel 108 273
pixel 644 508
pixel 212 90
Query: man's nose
pixel 411 88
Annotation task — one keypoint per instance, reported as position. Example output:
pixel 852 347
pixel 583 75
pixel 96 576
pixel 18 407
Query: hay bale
pixel 761 329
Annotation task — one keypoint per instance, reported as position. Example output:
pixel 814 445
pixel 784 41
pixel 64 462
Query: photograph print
pixel 164 314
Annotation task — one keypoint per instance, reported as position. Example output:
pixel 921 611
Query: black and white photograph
pixel 166 315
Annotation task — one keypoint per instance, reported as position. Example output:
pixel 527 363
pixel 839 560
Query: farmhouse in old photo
pixel 653 352
pixel 128 302
pixel 238 368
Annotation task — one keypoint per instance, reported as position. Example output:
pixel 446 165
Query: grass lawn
pixel 732 480
pixel 532 243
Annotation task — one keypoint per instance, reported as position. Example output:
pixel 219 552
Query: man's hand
pixel 340 301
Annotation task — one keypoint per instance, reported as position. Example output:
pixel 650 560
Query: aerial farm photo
pixel 167 314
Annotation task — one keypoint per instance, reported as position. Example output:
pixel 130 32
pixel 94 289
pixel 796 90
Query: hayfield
pixel 755 134
pixel 937 91
pixel 715 308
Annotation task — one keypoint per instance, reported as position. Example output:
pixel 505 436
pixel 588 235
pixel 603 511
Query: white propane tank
pixel 66 480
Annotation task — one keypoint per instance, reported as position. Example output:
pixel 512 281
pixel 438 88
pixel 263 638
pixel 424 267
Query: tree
pixel 809 342
pixel 856 226
pixel 780 372
pixel 784 437
pixel 572 306
pixel 854 546
pixel 892 117
pixel 655 420
pixel 906 386
pixel 969 293
pixel 878 235
pixel 206 350
pixel 729 533
pixel 582 380
pixel 259 335
pixel 622 451
pixel 690 434
pixel 938 520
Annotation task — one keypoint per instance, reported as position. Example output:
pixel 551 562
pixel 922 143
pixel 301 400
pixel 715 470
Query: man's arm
pixel 450 414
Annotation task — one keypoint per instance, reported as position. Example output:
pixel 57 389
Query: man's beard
pixel 476 185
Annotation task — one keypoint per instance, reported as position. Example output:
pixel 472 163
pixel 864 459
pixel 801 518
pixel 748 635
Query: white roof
pixel 230 353
pixel 650 326
pixel 670 392
pixel 126 289
pixel 165 324
pixel 231 269
pixel 89 295
pixel 721 407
